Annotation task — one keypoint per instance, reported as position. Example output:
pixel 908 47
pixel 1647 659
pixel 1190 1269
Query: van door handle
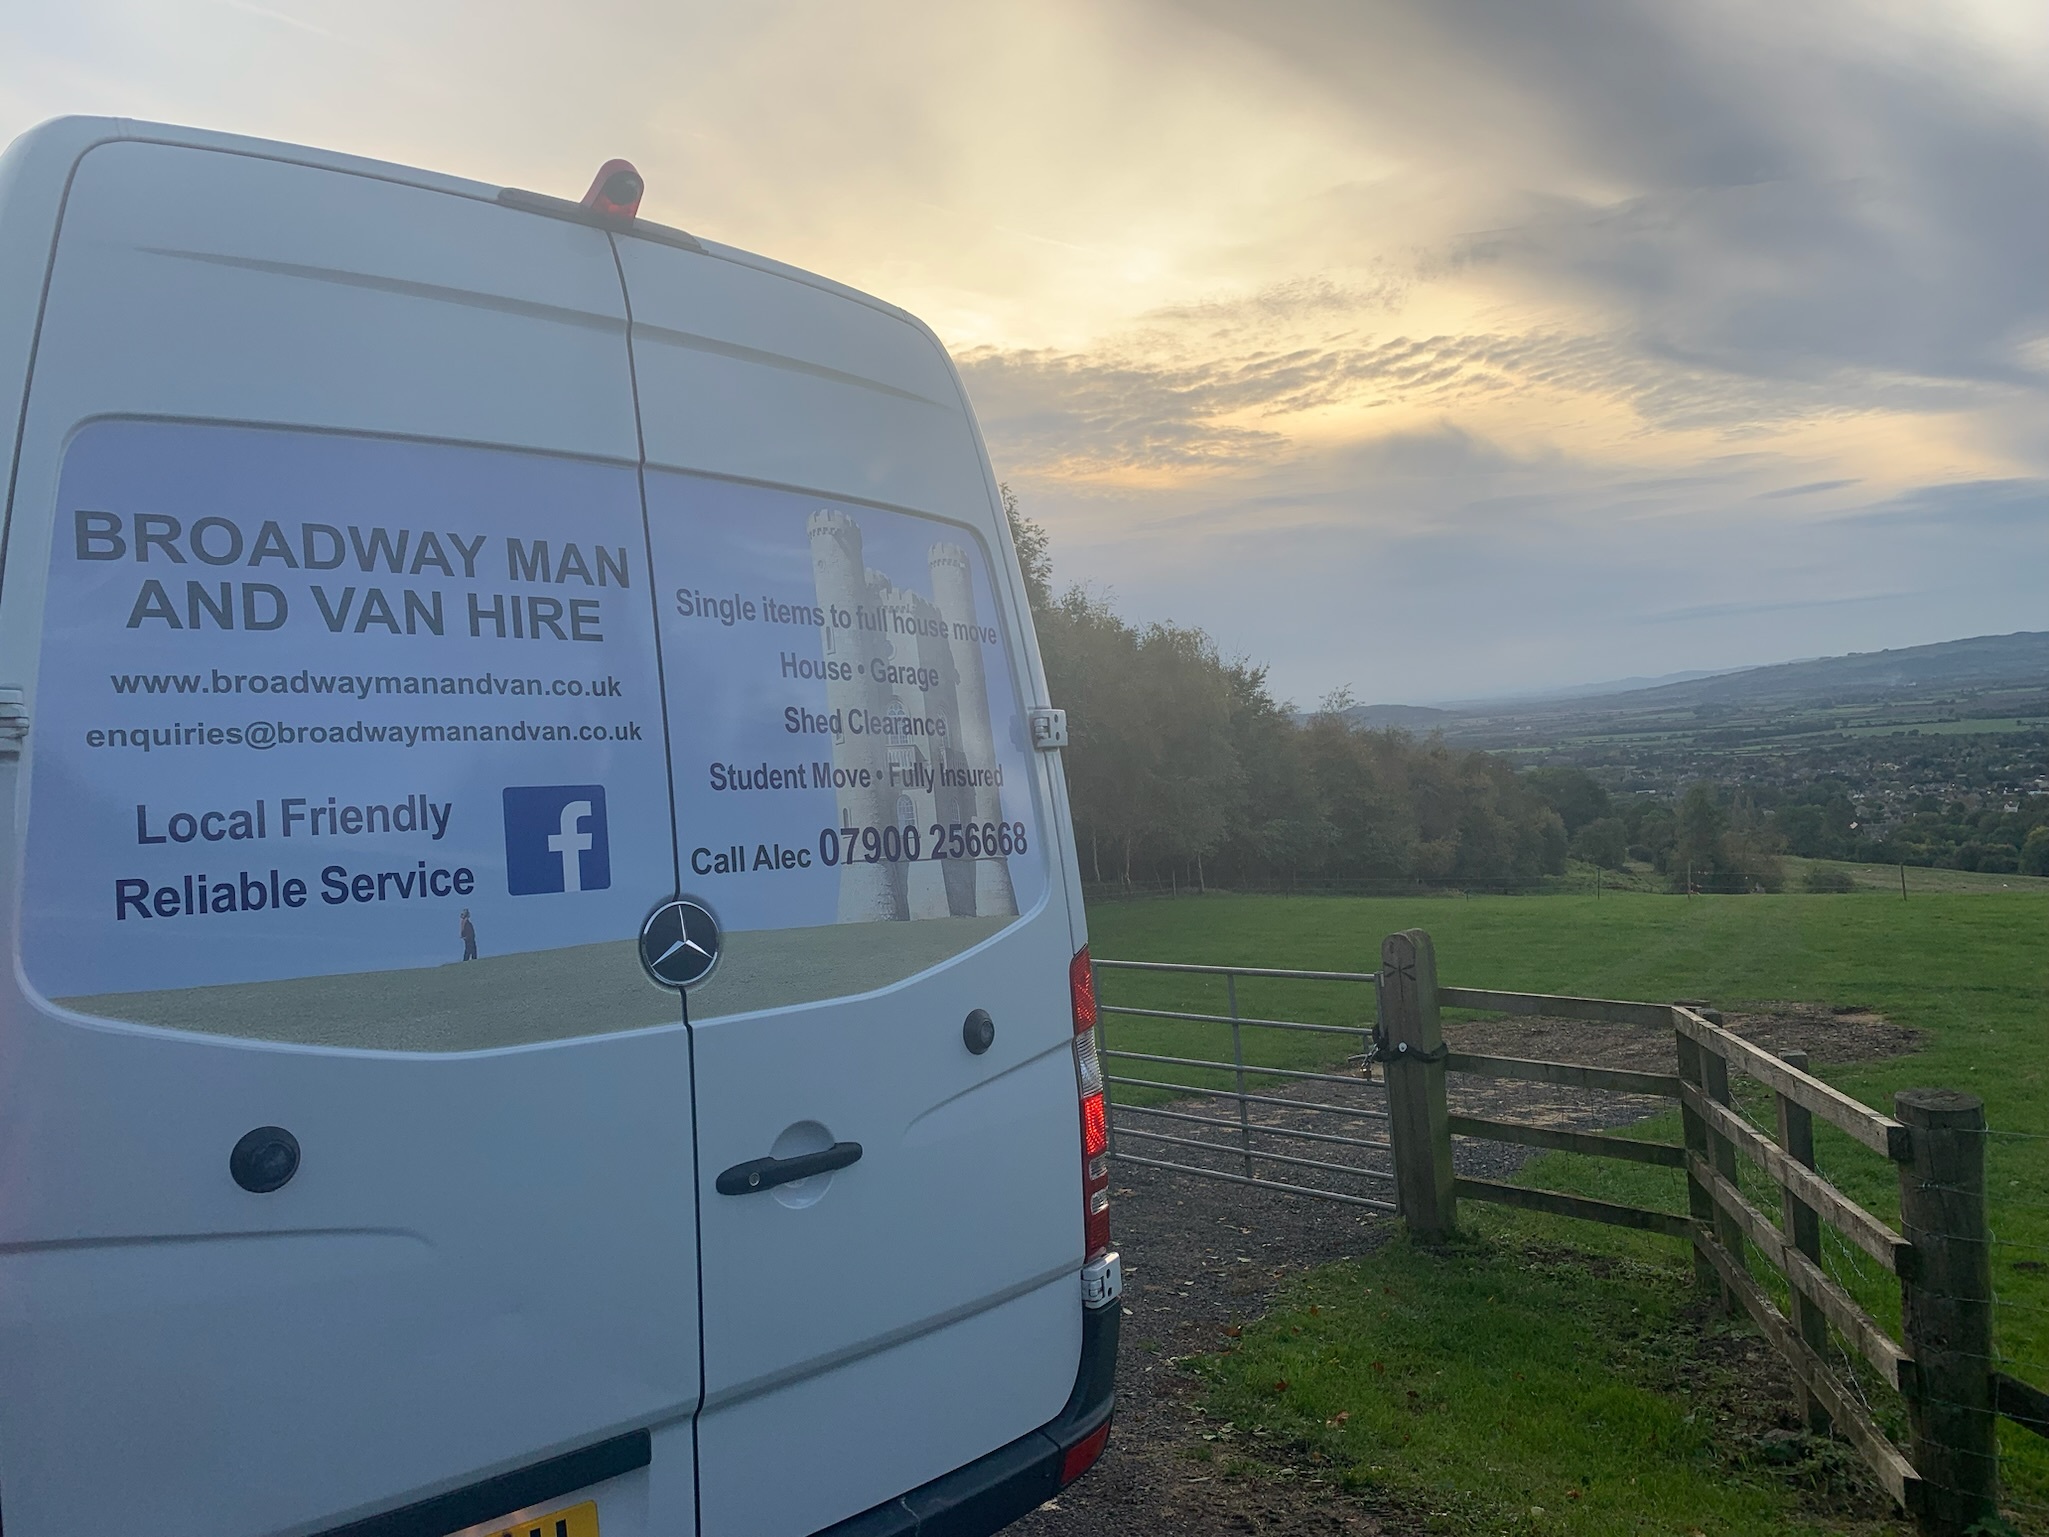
pixel 765 1173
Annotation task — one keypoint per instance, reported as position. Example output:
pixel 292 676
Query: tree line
pixel 1183 769
pixel 1736 833
pixel 1714 838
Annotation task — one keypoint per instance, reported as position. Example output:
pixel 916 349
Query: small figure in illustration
pixel 469 937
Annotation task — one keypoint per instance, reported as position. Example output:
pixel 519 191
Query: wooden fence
pixel 1943 1368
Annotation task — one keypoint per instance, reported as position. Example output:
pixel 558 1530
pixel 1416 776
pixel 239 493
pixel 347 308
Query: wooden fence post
pixel 1728 1227
pixel 1947 1309
pixel 1803 1229
pixel 1693 1132
pixel 1416 1114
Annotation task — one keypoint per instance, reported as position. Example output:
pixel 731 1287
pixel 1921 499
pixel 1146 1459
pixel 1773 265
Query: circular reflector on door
pixel 679 943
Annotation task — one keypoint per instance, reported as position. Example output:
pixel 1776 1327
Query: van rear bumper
pixel 993 1491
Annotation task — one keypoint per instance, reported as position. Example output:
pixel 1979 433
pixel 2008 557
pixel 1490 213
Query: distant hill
pixel 1409 717
pixel 1981 664
pixel 2020 660
pixel 1584 690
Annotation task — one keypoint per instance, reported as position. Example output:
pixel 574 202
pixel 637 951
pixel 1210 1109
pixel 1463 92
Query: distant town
pixel 1930 755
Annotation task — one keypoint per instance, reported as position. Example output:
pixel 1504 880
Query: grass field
pixel 1969 726
pixel 1921 879
pixel 1969 969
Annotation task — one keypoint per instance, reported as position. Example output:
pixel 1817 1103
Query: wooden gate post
pixel 1947 1309
pixel 1416 1115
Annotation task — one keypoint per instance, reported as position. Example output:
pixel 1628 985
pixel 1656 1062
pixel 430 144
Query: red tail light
pixel 1095 1128
pixel 1081 987
pixel 1095 1112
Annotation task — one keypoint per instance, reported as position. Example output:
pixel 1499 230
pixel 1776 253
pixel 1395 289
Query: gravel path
pixel 1201 1257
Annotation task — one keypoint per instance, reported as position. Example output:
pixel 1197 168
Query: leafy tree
pixel 1276 826
pixel 1191 772
pixel 1805 831
pixel 1602 842
pixel 1749 853
pixel 1570 791
pixel 1652 830
pixel 1091 663
pixel 1818 821
pixel 1034 552
pixel 1372 825
pixel 1721 846
pixel 1697 838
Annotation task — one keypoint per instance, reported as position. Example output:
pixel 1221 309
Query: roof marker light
pixel 616 190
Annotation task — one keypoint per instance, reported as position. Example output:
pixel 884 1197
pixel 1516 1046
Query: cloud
pixel 1784 605
pixel 1618 220
pixel 1768 191
pixel 2012 507
pixel 1166 400
pixel 1282 305
pixel 282 18
pixel 1810 488
pixel 1149 402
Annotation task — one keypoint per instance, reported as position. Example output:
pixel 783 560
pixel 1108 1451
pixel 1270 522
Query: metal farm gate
pixel 1266 1132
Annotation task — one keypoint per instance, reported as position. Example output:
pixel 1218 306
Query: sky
pixel 1432 349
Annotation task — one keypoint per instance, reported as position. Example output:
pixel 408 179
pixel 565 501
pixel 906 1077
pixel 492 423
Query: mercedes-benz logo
pixel 679 943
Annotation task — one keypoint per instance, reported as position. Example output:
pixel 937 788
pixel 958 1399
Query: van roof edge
pixel 148 131
pixel 564 208
pixel 668 234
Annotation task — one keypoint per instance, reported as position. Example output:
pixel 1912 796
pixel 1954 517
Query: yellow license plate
pixel 577 1521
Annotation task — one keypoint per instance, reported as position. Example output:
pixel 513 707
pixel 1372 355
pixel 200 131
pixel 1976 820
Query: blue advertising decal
pixel 363 742
pixel 313 705
pixel 847 738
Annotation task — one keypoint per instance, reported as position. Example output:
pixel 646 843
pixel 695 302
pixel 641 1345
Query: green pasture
pixel 1970 726
pixel 1583 879
pixel 1968 967
pixel 1922 880
pixel 1512 1386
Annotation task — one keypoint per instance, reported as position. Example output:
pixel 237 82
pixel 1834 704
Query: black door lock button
pixel 979 1031
pixel 265 1160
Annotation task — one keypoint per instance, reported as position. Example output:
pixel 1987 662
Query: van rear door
pixel 858 803
pixel 326 574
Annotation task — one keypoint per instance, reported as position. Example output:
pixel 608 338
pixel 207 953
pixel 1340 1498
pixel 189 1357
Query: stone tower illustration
pixel 916 757
pixel 868 892
pixel 950 803
pixel 953 589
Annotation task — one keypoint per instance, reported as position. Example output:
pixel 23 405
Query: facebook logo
pixel 555 839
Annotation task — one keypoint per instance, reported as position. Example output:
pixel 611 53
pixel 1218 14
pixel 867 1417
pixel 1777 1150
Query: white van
pixel 549 991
